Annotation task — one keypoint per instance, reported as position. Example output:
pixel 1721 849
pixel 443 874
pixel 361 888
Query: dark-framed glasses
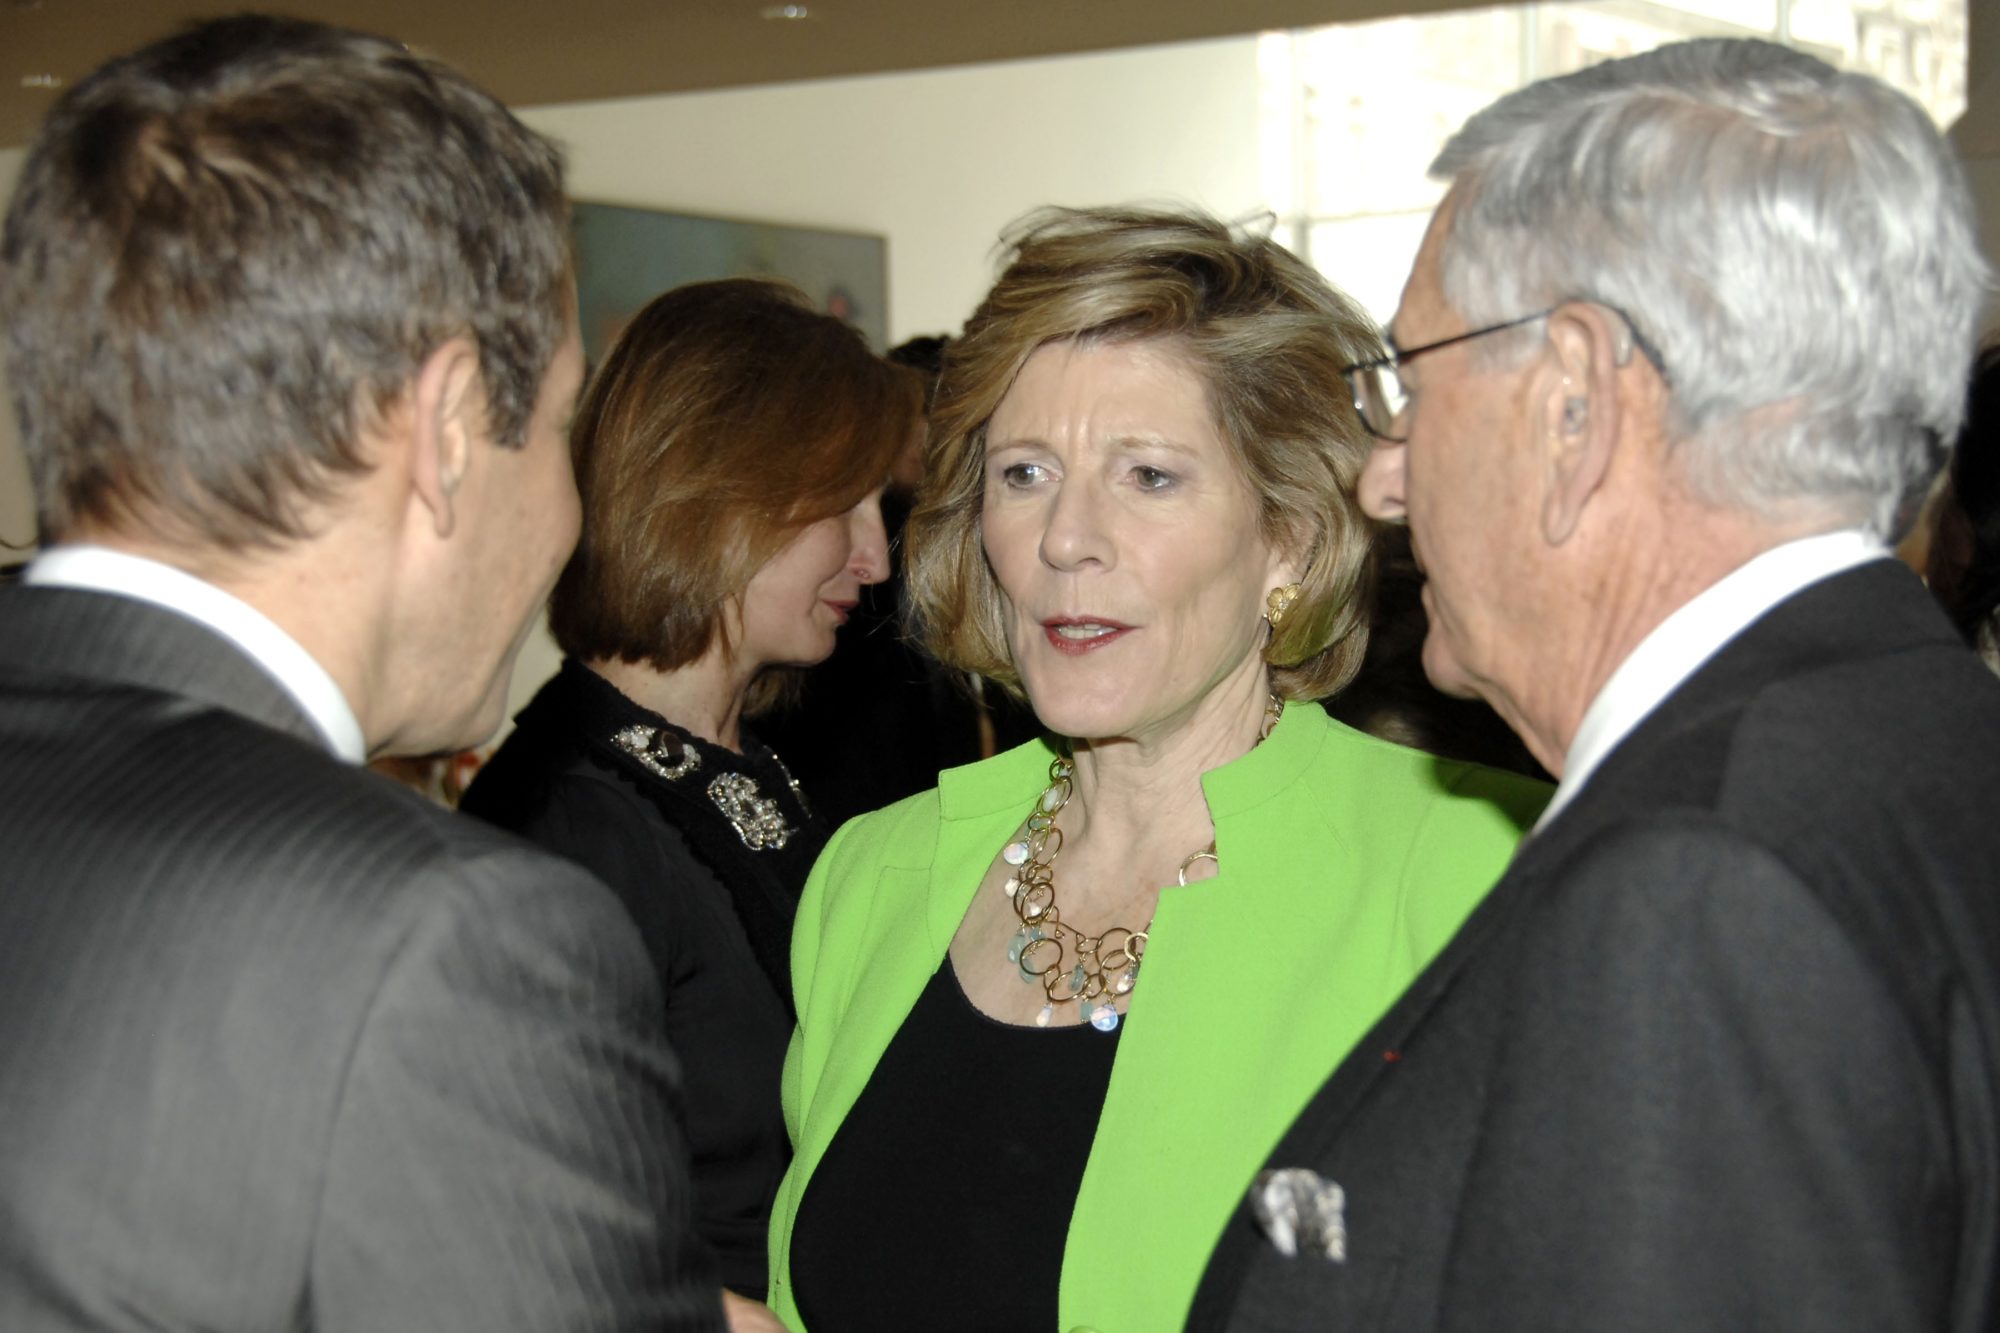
pixel 1377 386
pixel 1381 399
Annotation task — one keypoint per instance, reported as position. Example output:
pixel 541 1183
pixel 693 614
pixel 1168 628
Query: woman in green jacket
pixel 1053 1015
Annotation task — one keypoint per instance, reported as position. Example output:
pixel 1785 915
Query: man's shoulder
pixel 1862 782
pixel 217 803
pixel 1389 786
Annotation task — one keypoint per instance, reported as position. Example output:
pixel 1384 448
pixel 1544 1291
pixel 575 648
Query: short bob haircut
pixel 1797 243
pixel 727 416
pixel 1270 337
pixel 231 249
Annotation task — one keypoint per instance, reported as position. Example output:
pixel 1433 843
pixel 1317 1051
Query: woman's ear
pixel 1292 556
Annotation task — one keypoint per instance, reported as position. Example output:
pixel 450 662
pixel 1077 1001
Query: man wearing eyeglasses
pixel 1722 1048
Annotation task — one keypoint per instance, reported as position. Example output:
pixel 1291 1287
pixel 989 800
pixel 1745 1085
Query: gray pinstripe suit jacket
pixel 283 1047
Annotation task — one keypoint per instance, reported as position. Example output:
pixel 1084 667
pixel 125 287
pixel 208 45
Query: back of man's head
pixel 1795 244
pixel 228 250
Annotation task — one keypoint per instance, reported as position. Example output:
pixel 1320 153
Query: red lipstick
pixel 1077 635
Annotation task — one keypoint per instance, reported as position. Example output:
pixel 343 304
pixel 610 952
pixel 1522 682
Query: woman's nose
pixel 1075 534
pixel 868 553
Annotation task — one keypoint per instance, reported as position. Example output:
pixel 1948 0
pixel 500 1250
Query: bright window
pixel 1351 115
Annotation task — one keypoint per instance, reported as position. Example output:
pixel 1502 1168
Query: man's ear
pixel 448 404
pixel 1580 411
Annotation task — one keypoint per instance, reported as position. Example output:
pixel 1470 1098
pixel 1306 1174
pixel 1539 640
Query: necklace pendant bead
pixel 1042 1019
pixel 1126 980
pixel 1011 885
pixel 1014 854
pixel 1051 799
pixel 1104 1018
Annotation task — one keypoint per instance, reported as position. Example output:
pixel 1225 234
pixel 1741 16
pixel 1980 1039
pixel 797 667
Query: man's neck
pixel 293 586
pixel 1615 596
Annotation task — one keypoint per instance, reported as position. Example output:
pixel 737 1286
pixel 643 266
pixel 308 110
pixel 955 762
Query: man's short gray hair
pixel 1795 243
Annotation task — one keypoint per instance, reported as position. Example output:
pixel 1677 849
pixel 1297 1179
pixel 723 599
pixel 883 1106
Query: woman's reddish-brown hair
pixel 727 416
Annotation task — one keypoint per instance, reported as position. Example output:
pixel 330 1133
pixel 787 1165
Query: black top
pixel 945 1197
pixel 708 850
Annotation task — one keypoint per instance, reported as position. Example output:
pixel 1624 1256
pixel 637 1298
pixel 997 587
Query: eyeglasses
pixel 1379 395
pixel 1381 399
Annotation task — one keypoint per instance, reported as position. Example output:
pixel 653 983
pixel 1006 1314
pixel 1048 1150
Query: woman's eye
pixel 1021 474
pixel 1152 478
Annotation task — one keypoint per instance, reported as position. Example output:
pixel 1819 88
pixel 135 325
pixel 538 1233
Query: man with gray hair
pixel 1722 1048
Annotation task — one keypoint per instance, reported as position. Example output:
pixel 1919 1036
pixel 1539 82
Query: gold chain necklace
pixel 1106 965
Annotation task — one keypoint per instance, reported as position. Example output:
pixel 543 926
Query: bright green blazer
pixel 1346 862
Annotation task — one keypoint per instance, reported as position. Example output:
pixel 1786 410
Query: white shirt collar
pixel 1695 632
pixel 100 569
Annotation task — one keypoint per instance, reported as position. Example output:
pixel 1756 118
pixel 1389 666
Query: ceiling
pixel 532 52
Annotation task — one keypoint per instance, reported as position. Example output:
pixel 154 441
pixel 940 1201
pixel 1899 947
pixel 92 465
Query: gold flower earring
pixel 1278 602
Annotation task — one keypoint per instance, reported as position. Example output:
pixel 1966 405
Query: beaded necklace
pixel 1106 965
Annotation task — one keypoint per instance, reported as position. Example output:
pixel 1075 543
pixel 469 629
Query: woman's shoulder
pixel 968 790
pixel 906 833
pixel 887 827
pixel 1426 788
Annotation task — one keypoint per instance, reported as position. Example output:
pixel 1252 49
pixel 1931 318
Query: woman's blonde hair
pixel 1269 335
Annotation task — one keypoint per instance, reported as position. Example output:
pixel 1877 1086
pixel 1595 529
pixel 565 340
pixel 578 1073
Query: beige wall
pixel 937 162
pixel 1984 174
pixel 17 513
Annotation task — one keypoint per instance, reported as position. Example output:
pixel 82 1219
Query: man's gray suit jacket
pixel 1722 1048
pixel 284 1047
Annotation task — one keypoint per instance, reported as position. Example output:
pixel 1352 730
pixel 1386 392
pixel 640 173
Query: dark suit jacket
pixel 1721 1049
pixel 281 1045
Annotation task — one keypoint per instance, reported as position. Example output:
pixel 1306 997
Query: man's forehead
pixel 1423 314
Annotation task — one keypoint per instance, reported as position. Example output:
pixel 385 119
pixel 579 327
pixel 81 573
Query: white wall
pixel 938 162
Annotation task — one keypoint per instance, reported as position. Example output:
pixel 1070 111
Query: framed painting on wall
pixel 627 256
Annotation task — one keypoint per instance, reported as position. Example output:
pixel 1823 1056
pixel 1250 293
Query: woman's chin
pixel 1083 718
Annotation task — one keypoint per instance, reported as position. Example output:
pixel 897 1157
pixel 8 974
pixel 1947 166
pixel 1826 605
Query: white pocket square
pixel 1301 1211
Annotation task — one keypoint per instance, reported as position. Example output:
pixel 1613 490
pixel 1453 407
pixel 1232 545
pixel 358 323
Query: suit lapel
pixel 54 635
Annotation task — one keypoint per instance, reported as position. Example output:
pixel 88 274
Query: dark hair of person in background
pixel 1391 697
pixel 222 399
pixel 1964 566
pixel 730 454
pixel 919 716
